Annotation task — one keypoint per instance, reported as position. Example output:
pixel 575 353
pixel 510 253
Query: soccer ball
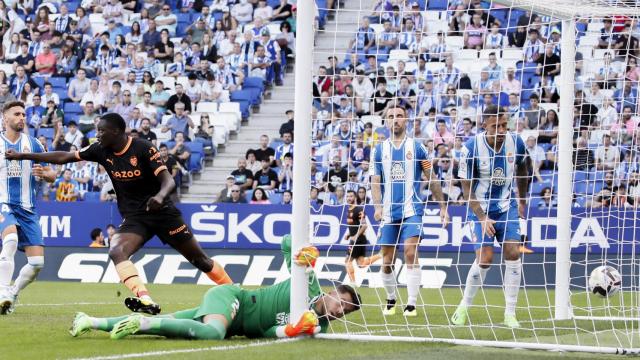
pixel 605 281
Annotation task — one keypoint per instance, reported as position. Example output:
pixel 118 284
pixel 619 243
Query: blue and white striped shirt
pixel 17 182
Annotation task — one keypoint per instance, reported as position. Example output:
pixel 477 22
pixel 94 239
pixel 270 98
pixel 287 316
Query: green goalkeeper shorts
pixel 221 300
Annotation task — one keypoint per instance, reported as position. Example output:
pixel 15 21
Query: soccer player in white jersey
pixel 489 163
pixel 19 223
pixel 399 163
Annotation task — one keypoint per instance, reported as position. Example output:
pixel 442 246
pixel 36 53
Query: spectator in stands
pixel 243 176
pixel 73 136
pixel 166 20
pixel 86 121
pixel 467 131
pixel 212 90
pixel 78 86
pixel 97 239
pixel 626 127
pixel 5 95
pixel 259 197
pixel 537 156
pixel 236 197
pixel 146 133
pixel 205 134
pixel 607 155
pixel 52 116
pixel 285 148
pixel 82 172
pixel 336 175
pixel 99 178
pixel 242 13
pixel 181 97
pixel 608 115
pixel 253 165
pixel 159 98
pixel 474 33
pixel 610 72
pixel 621 198
pixel 46 61
pixel 380 99
pixel 135 120
pixel 34 113
pixel 225 193
pixel 179 122
pixel 407 37
pixel 95 96
pixel 25 59
pixel 287 127
pixel 364 39
pixel 632 71
pixel 180 150
pixel 510 84
pixel 494 69
pixel 265 152
pixel 627 44
pixel 484 85
pixel 495 39
pixel 534 114
pixel 18 81
pixel 287 196
pixel 627 95
pixel 260 65
pixel 547 200
pixel 548 127
pixel 533 48
pixel 594 95
pixel 67 189
pixel 285 175
pixel 442 135
pixel 607 36
pixel 265 178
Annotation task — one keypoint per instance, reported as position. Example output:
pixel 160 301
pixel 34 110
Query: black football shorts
pixel 167 223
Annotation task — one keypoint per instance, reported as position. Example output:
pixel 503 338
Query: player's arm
pixel 363 224
pixel 306 325
pixel 44 172
pixel 522 182
pixel 167 184
pixel 53 157
pixel 376 182
pixel 436 189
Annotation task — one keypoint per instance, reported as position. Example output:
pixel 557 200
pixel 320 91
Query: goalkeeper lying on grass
pixel 229 310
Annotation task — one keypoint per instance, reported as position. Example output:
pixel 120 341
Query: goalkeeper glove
pixel 307 325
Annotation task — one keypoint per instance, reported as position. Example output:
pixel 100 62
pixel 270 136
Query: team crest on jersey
pixel 133 161
pixel 25 149
pixel 397 171
pixel 409 155
pixel 498 177
pixel 510 157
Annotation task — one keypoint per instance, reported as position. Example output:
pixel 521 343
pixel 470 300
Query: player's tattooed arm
pixel 376 195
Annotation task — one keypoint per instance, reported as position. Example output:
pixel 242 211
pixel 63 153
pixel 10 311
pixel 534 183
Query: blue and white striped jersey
pixel 492 172
pixel 400 169
pixel 17 183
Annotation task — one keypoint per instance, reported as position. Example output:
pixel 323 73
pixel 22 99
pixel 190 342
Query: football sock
pixel 182 314
pixel 512 271
pixel 351 272
pixel 28 272
pixel 389 283
pixel 182 328
pixel 129 277
pixel 218 275
pixel 414 282
pixel 475 279
pixel 106 324
pixel 9 247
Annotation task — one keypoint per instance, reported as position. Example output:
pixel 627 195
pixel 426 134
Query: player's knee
pixel 36 262
pixel 117 254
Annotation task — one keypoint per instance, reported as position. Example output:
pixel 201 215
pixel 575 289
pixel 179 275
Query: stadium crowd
pixel 445 62
pixel 182 73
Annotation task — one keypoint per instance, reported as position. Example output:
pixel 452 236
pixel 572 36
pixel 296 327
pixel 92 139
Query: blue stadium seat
pixel 195 147
pixel 244 95
pixel 275 198
pixel 182 17
pixel 248 194
pixel 62 94
pixel 580 176
pixel 537 187
pixel 504 99
pixel 245 108
pixel 39 81
pixel 253 82
pixel 58 82
pixel 437 5
pixel 598 176
pixel 46 132
pixel 72 108
pixel 32 132
pixel 92 196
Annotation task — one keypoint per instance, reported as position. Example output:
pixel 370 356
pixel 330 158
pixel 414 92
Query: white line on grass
pixel 91 303
pixel 185 351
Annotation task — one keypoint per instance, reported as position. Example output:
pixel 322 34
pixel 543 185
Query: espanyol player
pixel 489 163
pixel 19 223
pixel 399 163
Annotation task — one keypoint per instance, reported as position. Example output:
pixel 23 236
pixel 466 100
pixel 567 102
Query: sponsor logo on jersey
pixel 409 155
pixel 498 177
pixel 110 161
pixel 178 229
pixel 14 169
pixel 126 175
pixel 133 161
pixel 397 171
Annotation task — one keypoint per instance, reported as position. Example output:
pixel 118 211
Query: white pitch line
pixel 91 303
pixel 185 351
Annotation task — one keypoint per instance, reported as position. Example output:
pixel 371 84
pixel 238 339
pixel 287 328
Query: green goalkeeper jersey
pixel 262 310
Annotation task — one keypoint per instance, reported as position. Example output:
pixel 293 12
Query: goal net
pixel 565 76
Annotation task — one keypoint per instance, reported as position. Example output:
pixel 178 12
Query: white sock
pixel 28 272
pixel 389 282
pixel 475 279
pixel 9 247
pixel 512 274
pixel 414 283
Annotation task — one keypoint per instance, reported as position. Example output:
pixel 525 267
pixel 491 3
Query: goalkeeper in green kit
pixel 229 310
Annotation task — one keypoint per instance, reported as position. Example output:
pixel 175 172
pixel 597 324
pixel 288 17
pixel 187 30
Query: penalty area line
pixel 186 351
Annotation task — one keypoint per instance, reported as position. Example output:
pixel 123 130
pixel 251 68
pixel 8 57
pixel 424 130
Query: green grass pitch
pixel 38 328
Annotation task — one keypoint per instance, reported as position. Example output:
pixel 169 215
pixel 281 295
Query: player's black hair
pixel 490 110
pixel 11 104
pixel 110 226
pixel 163 146
pixel 288 155
pixel 351 191
pixel 356 299
pixel 95 233
pixel 115 121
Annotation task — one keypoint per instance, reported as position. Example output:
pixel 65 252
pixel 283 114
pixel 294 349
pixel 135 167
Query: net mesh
pixel 445 62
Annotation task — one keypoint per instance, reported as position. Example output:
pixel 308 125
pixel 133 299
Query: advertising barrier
pixel 231 226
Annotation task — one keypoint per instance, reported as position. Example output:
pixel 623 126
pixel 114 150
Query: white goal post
pixel 569 320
